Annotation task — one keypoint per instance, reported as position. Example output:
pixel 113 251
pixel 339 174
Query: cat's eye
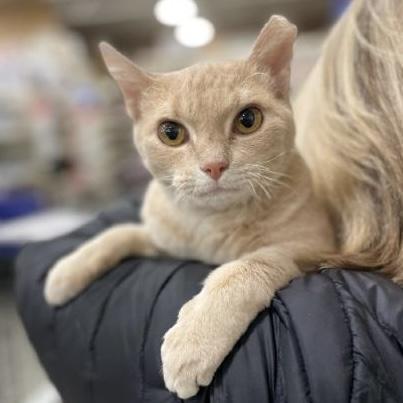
pixel 248 120
pixel 172 133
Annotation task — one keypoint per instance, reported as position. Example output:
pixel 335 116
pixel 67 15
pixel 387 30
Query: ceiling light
pixel 175 12
pixel 195 32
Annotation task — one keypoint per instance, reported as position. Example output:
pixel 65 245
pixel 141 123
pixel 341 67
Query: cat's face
pixel 215 134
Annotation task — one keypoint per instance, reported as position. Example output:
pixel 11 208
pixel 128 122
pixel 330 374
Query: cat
pixel 229 189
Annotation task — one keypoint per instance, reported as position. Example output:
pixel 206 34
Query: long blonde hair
pixel 350 132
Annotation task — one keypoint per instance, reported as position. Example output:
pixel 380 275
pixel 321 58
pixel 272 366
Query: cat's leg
pixel 211 323
pixel 74 272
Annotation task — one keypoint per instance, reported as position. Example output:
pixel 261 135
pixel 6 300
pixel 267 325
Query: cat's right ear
pixel 132 80
pixel 273 51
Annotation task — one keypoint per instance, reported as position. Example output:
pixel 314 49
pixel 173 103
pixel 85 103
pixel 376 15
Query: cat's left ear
pixel 273 51
pixel 132 80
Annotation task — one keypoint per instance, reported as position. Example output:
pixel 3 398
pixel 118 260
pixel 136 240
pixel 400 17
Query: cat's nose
pixel 215 169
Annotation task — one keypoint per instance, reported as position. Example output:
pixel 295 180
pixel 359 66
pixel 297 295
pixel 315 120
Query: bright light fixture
pixel 175 12
pixel 195 32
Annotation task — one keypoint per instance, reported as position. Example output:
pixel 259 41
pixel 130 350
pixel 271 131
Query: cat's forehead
pixel 207 76
pixel 208 89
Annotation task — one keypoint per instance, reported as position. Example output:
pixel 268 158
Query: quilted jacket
pixel 330 337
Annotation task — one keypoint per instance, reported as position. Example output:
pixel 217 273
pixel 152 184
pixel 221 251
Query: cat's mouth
pixel 218 190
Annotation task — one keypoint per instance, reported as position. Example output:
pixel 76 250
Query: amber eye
pixel 248 120
pixel 171 133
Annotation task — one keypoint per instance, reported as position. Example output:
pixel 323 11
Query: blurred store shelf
pixel 22 379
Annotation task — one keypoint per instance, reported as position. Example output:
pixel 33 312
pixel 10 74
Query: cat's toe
pixel 184 388
pixel 206 377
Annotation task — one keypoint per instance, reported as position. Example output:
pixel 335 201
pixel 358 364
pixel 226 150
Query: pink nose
pixel 215 169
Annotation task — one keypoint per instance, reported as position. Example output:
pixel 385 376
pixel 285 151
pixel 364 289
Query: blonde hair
pixel 350 132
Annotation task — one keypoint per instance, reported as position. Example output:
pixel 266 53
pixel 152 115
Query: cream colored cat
pixel 229 188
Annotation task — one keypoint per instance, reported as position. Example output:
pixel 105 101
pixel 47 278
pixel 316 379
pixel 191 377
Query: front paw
pixel 194 348
pixel 73 273
pixel 63 282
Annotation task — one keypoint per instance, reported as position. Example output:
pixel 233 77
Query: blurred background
pixel 65 141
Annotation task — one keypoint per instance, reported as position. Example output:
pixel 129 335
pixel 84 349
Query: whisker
pixel 252 186
pixel 265 190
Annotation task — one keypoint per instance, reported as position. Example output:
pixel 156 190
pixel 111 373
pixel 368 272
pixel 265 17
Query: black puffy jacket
pixel 335 336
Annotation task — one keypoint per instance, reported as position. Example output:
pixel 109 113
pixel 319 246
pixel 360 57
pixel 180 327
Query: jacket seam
pixel 388 330
pixel 147 328
pixel 98 326
pixel 346 315
pixel 298 349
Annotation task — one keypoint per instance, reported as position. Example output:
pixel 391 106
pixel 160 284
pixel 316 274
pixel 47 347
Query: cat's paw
pixel 61 282
pixel 70 276
pixel 194 348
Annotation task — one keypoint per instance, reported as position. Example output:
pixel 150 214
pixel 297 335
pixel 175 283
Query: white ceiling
pixel 93 12
pixel 134 18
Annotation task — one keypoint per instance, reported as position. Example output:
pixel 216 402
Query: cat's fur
pixel 264 227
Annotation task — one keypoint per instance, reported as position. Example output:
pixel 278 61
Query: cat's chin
pixel 215 192
pixel 210 198
pixel 218 199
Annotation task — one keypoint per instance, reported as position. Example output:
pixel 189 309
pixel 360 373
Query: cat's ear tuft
pixel 132 80
pixel 273 50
